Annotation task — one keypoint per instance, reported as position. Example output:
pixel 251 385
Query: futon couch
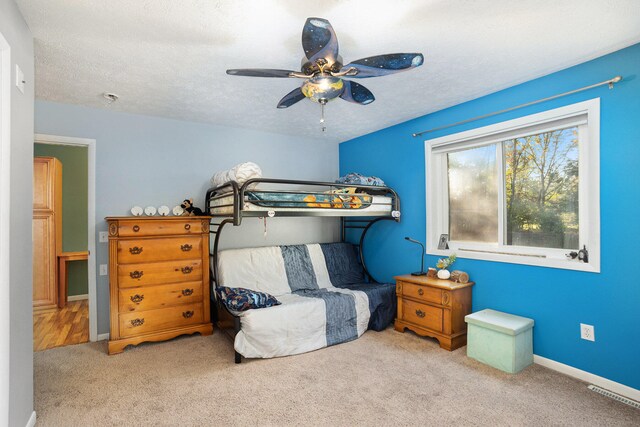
pixel 325 298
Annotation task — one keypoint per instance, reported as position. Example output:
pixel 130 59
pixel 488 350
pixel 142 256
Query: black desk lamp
pixel 421 272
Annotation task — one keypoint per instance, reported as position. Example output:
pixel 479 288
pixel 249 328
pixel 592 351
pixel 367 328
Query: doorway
pixel 73 318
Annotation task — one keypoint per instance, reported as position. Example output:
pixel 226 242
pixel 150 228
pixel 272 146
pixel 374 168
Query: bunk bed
pixel 359 207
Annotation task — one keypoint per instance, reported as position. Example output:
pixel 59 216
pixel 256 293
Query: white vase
pixel 444 274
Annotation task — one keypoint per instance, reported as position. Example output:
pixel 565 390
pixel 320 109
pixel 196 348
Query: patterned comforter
pixel 335 200
pixel 325 299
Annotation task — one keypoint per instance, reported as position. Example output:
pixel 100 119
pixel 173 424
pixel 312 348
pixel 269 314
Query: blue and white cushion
pixel 311 281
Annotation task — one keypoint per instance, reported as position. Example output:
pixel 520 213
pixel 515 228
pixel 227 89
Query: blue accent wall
pixel 558 300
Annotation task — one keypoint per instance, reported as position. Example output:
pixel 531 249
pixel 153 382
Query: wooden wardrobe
pixel 47 230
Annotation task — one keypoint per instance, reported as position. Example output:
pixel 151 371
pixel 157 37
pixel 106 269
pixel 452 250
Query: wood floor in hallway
pixel 59 327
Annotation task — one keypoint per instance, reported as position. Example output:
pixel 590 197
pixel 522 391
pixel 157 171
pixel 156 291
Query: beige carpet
pixel 384 378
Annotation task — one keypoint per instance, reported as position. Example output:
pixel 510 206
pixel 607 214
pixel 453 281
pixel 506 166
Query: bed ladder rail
pixel 219 192
pixel 363 224
pixel 219 313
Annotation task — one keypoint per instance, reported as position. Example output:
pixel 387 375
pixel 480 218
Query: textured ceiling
pixel 168 57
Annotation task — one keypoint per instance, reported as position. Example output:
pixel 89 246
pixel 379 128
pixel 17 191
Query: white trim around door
pixel 5 225
pixel 91 238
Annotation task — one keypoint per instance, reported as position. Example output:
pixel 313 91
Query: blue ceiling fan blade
pixel 356 93
pixel 291 98
pixel 259 72
pixel 381 65
pixel 319 40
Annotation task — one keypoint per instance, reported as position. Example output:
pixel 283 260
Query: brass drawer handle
pixel 420 313
pixel 186 270
pixel 187 314
pixel 186 247
pixel 137 322
pixel 135 250
pixel 187 292
pixel 136 274
pixel 136 228
pixel 445 298
pixel 137 298
pixel 420 292
pixel 187 226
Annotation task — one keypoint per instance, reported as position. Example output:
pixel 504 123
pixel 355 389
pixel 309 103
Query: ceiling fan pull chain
pixel 324 128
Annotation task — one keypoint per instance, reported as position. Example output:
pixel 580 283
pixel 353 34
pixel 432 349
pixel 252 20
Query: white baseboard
pixel 103 337
pixel 613 386
pixel 32 420
pixel 77 297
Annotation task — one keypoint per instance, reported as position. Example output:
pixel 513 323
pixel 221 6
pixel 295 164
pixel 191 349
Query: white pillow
pixel 258 269
pixel 239 173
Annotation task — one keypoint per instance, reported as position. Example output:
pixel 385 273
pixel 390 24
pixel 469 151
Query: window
pixel 523 191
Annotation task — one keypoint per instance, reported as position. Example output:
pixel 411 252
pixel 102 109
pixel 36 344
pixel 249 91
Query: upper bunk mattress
pixel 343 204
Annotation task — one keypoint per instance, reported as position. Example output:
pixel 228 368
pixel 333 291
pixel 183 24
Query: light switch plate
pixel 19 79
pixel 103 237
pixel 103 270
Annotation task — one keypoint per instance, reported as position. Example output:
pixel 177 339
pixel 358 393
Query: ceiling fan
pixel 325 76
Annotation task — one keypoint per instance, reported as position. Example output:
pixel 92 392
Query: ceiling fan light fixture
pixel 322 88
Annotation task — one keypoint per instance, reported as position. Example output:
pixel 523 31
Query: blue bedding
pixel 345 271
pixel 341 315
pixel 382 302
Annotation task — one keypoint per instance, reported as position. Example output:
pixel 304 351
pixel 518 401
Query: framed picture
pixel 443 242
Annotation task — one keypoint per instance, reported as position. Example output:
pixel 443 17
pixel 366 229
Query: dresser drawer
pixel 141 322
pixel 160 249
pixel 131 227
pixel 422 315
pixel 422 293
pixel 159 273
pixel 161 296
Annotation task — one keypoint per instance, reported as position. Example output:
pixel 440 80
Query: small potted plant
pixel 443 265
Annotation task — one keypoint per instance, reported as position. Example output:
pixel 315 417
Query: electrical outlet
pixel 587 332
pixel 103 237
pixel 103 270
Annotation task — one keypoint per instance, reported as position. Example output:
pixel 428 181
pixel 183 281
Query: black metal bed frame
pixel 226 320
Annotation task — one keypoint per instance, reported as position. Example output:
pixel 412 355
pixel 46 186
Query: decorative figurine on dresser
pixel 158 279
pixel 434 307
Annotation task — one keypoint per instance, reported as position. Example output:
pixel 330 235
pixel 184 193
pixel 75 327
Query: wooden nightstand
pixel 435 308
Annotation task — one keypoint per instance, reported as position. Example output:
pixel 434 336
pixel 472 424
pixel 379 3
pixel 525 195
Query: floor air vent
pixel 614 396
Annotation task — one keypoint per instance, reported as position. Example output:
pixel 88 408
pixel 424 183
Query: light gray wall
pixel 144 161
pixel 16 32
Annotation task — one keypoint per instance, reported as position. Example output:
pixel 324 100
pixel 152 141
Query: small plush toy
pixel 189 209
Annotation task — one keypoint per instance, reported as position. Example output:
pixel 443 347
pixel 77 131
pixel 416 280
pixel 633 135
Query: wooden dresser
pixel 159 278
pixel 435 308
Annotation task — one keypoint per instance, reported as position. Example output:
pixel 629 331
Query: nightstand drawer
pixel 422 315
pixel 132 227
pixel 422 293
pixel 152 297
pixel 159 273
pixel 140 322
pixel 166 249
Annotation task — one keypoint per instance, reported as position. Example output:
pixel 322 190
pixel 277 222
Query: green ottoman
pixel 501 340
